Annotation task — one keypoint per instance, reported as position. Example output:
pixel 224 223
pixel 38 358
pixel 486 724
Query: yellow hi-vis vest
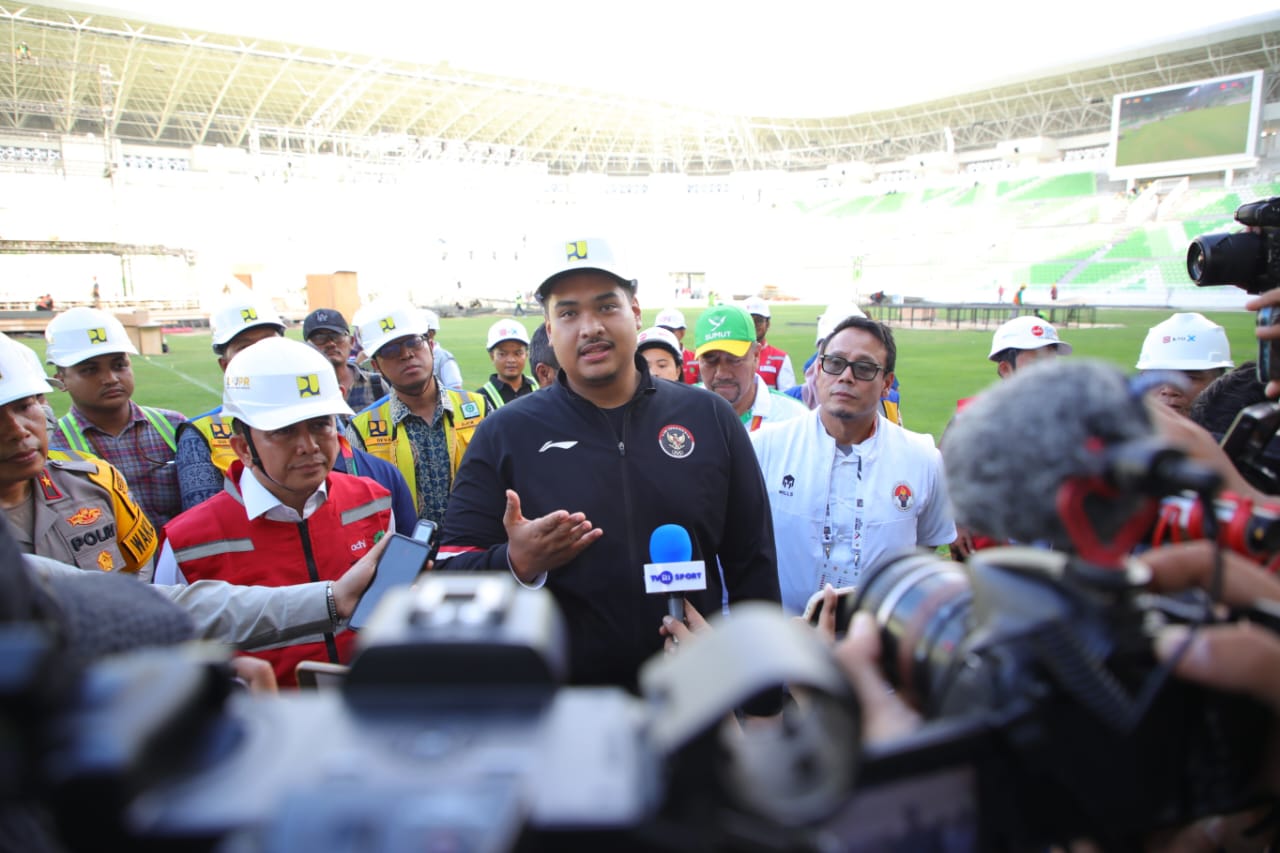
pixel 383 439
pixel 217 434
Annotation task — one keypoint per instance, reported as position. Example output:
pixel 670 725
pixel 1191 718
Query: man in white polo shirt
pixel 847 487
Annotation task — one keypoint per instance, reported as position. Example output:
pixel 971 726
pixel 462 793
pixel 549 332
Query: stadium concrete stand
pixel 277 159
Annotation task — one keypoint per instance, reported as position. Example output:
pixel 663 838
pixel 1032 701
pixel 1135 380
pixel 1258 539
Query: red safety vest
pixel 771 359
pixel 216 540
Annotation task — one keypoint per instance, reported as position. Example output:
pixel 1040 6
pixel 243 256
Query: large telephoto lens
pixel 1239 259
pixel 921 604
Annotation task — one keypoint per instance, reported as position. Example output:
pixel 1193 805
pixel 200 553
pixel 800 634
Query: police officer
pixel 62 504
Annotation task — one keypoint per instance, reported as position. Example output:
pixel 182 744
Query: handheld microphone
pixel 1010 452
pixel 672 571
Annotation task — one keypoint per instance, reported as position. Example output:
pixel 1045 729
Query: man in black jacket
pixel 566 488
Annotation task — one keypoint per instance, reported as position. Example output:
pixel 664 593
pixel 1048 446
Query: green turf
pixel 936 367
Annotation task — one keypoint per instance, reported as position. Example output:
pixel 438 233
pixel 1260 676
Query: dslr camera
pixel 1248 259
pixel 1039 667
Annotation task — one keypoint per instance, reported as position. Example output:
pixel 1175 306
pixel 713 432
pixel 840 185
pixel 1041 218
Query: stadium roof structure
pixel 141 82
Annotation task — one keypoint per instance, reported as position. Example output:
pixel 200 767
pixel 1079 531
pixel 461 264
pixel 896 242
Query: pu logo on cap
pixel 387 324
pixel 248 314
pixel 576 251
pixel 309 385
pixel 97 336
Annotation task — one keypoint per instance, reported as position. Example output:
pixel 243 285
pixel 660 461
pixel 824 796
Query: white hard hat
pixel 235 315
pixel 432 318
pixel 671 318
pixel 656 336
pixel 381 323
pixel 1187 341
pixel 277 382
pixel 836 313
pixel 80 333
pixel 506 330
pixel 1026 332
pixel 756 305
pixel 21 373
pixel 592 253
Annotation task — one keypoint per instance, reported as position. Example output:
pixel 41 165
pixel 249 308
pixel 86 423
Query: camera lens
pixel 1239 259
pixel 921 604
pixel 1195 261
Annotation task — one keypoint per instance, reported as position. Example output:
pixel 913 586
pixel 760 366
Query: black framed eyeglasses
pixel 863 370
pixel 395 348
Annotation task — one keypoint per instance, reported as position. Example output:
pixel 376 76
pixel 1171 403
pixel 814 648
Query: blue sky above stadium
pixel 796 58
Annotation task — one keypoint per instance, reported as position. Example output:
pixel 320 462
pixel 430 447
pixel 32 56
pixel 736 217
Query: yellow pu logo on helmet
pixel 309 385
pixel 97 336
pixel 576 251
pixel 387 324
pixel 248 314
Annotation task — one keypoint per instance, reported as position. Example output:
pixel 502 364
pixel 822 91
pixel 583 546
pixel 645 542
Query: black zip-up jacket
pixel 682 457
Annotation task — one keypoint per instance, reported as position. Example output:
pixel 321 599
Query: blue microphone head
pixel 670 543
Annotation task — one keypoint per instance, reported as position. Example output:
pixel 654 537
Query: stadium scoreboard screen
pixel 1205 126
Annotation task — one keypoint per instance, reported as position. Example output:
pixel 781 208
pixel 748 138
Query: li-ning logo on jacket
pixel 557 445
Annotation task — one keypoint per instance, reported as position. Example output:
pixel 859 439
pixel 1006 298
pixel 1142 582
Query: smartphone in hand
pixel 402 561
pixel 845 597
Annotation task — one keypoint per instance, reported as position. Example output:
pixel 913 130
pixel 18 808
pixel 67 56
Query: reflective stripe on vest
pixel 70 429
pixel 365 510
pixel 213 549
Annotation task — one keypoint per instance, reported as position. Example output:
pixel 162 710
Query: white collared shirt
pixel 839 513
pixel 258 501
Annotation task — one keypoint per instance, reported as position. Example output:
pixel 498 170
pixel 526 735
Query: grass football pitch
pixel 936 365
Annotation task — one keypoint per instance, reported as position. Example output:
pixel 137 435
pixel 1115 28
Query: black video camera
pixel 1249 260
pixel 1048 720
pixel 451 730
pixel 1044 667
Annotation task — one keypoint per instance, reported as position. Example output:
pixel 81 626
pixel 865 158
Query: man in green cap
pixel 728 360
